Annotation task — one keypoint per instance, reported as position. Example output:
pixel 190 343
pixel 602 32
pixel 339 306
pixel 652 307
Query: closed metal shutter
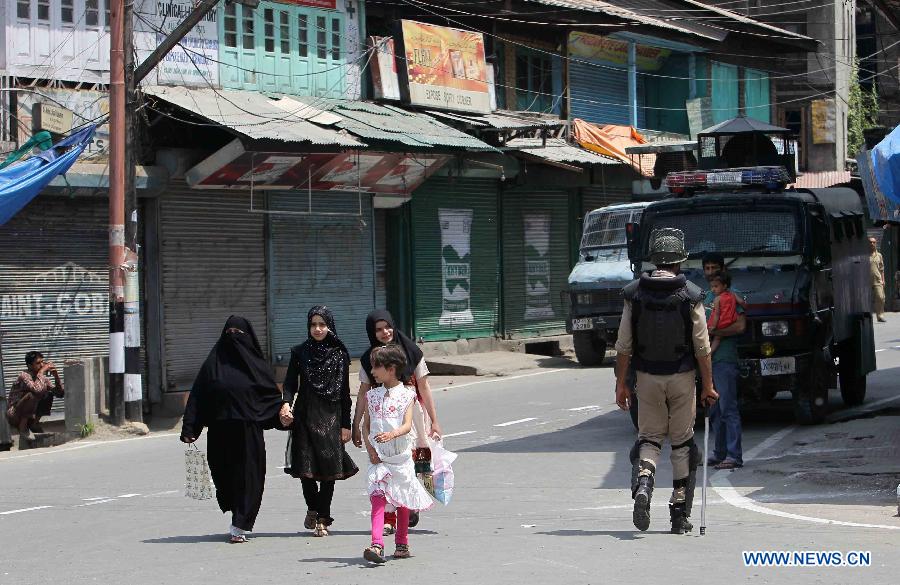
pixel 454 234
pixel 213 262
pixel 54 283
pixel 320 260
pixel 599 94
pixel 536 262
pixel 381 258
pixel 596 197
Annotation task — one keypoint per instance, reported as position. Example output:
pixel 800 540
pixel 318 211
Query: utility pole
pixel 117 117
pixel 134 404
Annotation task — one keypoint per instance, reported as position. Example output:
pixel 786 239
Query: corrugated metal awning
pixel 822 180
pixel 558 150
pixel 258 116
pixel 384 123
pixel 503 120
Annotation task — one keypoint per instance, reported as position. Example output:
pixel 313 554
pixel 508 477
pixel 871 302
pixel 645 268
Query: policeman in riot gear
pixel 663 335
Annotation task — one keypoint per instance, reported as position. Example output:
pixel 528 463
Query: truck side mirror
pixel 821 242
pixel 633 239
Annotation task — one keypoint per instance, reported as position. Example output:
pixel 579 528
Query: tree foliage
pixel 862 112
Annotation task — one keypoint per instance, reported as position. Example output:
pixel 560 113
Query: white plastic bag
pixel 442 462
pixel 198 483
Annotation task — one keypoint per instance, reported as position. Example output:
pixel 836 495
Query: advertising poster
pixel 598 48
pixel 824 126
pixel 537 267
pixel 445 67
pixel 456 266
pixel 193 62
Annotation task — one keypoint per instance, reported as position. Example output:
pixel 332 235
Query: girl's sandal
pixel 375 554
pixel 321 529
pixel 310 521
pixel 402 551
pixel 238 538
pixel 388 530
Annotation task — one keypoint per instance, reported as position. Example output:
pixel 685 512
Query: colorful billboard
pixel 444 68
pixel 597 48
pixel 370 172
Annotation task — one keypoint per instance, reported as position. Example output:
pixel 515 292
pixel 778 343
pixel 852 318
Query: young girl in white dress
pixel 392 482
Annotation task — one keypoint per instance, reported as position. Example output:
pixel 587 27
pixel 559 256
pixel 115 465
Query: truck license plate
pixel 777 366
pixel 584 324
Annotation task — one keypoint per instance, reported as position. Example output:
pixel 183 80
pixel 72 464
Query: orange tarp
pixel 611 140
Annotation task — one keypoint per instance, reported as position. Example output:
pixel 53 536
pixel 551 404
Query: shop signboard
pixel 442 67
pixel 371 172
pixel 584 45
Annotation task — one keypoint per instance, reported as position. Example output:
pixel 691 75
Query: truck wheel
pixel 811 403
pixel 589 350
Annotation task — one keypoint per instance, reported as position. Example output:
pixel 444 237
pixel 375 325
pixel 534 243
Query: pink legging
pixel 402 534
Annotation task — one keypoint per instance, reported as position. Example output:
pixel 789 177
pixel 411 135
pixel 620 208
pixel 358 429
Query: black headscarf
pixel 235 382
pixel 324 364
pixel 412 351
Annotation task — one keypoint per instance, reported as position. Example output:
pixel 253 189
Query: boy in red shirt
pixel 724 312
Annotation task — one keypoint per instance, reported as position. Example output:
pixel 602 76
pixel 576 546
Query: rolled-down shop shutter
pixel 595 197
pixel 54 283
pixel 320 259
pixel 455 271
pixel 213 262
pixel 598 93
pixel 536 264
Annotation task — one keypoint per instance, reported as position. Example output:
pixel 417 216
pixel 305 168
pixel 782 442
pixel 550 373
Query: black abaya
pixel 237 462
pixel 235 396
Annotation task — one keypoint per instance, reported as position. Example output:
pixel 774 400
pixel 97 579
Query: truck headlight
pixel 583 298
pixel 774 328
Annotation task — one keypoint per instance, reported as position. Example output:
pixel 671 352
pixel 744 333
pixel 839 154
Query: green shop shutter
pixel 757 101
pixel 535 261
pixel 320 259
pixel 454 234
pixel 724 92
pixel 595 197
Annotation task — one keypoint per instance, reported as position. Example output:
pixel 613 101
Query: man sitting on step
pixel 31 395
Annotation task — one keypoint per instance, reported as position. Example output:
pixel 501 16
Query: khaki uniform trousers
pixel 878 300
pixel 667 406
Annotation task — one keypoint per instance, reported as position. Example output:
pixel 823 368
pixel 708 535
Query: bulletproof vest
pixel 662 329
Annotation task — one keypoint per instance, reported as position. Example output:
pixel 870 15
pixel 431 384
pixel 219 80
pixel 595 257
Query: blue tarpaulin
pixel 23 181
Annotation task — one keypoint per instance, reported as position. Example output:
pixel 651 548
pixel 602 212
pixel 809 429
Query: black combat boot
pixel 679 518
pixel 643 493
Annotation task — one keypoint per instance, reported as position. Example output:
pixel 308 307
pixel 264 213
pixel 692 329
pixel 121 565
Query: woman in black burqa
pixel 236 398
pixel 317 410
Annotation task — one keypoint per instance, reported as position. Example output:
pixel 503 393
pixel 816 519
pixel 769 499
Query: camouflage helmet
pixel 667 246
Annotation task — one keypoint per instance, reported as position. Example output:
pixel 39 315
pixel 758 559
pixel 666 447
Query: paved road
pixel 542 497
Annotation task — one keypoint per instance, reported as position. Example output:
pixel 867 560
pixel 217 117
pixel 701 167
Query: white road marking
pixel 123 496
pixel 166 493
pixel 723 487
pixel 24 510
pixel 459 434
pixel 95 502
pixel 591 407
pixel 92 499
pixel 503 379
pixel 880 350
pixel 515 422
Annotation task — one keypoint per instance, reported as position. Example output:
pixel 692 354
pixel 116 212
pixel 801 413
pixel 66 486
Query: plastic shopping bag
pixel 198 482
pixel 442 474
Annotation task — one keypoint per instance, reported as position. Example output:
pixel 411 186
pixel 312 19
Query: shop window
pixel 23 9
pixel 43 10
pixel 307 45
pixel 67 11
pixel 534 81
pixel 92 12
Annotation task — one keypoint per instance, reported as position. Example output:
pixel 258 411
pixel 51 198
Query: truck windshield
pixel 606 229
pixel 736 231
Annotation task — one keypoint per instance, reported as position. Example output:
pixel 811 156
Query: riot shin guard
pixel 643 494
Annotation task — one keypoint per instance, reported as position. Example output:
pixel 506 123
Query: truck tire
pixel 853 387
pixel 811 403
pixel 590 351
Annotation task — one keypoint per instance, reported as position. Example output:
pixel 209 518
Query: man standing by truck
pixel 876 263
pixel 663 331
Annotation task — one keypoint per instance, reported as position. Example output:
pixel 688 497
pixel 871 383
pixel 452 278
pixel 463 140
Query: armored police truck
pixel 799 257
pixel 596 281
